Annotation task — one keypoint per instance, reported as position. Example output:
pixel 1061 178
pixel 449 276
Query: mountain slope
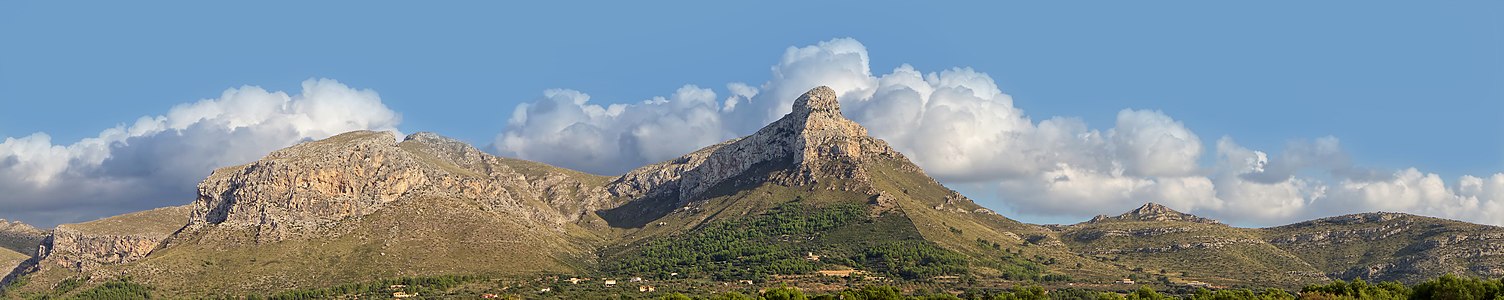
pixel 361 206
pixel 816 162
pixel 96 248
pixel 19 237
pixel 18 242
pixel 1393 246
pixel 10 259
pixel 808 192
pixel 1184 247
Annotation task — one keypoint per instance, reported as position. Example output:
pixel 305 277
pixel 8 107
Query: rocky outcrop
pixel 815 141
pixel 88 247
pixel 1154 212
pixel 84 251
pixel 570 193
pixel 311 187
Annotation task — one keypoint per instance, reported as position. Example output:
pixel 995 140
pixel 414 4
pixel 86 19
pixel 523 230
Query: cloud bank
pixel 157 160
pixel 955 123
pixel 961 128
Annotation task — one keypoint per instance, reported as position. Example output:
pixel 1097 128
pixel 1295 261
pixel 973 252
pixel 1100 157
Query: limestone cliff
pixel 814 139
pixel 89 247
pixel 311 187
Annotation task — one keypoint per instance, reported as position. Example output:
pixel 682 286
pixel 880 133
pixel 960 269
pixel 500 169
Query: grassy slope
pixel 914 218
pixel 750 196
pixel 399 241
pixel 733 200
pixel 158 222
pixel 9 259
pixel 918 195
pixel 1211 253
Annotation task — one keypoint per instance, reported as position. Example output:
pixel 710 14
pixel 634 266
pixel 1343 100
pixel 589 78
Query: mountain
pixel 814 183
pixel 1393 246
pixel 1182 247
pixel 354 207
pixel 809 192
pixel 1372 246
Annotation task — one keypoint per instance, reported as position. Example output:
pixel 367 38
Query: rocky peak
pixel 821 132
pixel 819 99
pixel 814 141
pixel 1155 212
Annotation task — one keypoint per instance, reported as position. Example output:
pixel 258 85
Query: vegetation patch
pixel 414 286
pixel 117 289
pixel 791 238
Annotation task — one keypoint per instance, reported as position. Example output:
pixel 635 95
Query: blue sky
pixel 1401 84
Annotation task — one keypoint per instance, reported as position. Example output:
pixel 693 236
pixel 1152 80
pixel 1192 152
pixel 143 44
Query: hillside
pixel 1393 246
pixel 9 259
pixel 358 206
pixel 18 242
pixel 1182 247
pixel 814 183
pixel 96 248
pixel 1371 246
pixel 19 237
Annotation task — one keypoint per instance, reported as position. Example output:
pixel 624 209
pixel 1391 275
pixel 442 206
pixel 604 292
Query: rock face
pixel 815 139
pixel 78 250
pixel 311 187
pixel 88 247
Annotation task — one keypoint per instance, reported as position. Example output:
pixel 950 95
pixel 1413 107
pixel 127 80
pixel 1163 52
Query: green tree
pixel 675 296
pixel 873 292
pixel 1453 287
pixel 1357 289
pixel 783 293
pixel 1146 293
pixel 731 296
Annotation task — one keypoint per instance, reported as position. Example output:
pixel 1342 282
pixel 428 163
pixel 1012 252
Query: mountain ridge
pixel 365 205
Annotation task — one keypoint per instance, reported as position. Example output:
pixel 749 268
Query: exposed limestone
pixel 310 187
pixel 86 247
pixel 814 138
pixel 84 251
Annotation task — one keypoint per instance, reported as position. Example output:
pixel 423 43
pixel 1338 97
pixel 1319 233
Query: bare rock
pixel 814 138
pixel 311 187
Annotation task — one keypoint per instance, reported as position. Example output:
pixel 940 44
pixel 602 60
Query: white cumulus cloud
pixel 960 127
pixel 564 129
pixel 156 160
